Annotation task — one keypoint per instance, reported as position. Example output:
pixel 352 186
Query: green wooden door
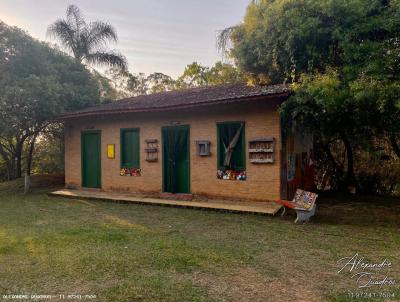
pixel 91 160
pixel 176 159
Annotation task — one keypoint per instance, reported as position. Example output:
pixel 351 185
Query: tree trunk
pixel 30 155
pixel 18 166
pixel 18 158
pixel 395 145
pixel 350 159
pixel 336 166
pixel 10 171
pixel 12 167
pixel 8 162
pixel 19 146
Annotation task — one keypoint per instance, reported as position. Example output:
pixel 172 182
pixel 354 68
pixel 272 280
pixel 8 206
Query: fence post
pixel 27 184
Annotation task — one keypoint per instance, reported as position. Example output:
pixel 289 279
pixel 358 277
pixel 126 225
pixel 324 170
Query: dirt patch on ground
pixel 247 284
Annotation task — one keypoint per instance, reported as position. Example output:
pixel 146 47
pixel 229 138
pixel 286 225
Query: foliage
pixel 108 92
pixel 322 105
pixel 48 157
pixel 127 84
pixel 158 82
pixel 283 39
pixel 224 73
pixel 36 84
pixel 343 58
pixel 49 151
pixel 195 75
pixel 378 103
pixel 376 171
pixel 87 41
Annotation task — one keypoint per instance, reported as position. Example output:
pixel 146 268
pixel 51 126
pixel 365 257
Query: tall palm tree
pixel 87 41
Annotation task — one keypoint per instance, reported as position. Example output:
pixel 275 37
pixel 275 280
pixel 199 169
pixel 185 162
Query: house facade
pixel 220 142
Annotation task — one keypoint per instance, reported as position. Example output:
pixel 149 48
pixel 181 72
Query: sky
pixel 154 35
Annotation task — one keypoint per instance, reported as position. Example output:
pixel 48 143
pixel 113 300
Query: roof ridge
pixel 186 90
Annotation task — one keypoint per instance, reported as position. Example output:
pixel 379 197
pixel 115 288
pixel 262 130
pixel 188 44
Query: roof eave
pixel 71 115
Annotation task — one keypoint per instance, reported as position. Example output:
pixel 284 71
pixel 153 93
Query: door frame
pixel 82 147
pixel 187 127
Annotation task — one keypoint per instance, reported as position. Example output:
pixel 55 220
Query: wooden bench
pixel 304 203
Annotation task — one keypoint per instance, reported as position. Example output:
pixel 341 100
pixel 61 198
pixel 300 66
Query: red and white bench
pixel 304 203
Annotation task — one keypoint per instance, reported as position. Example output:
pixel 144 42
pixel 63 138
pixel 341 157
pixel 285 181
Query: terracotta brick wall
pixel 262 119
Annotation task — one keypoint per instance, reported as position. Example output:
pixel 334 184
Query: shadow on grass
pixel 358 210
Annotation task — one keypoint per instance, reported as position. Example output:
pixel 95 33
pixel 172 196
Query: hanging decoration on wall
pixel 111 151
pixel 203 148
pixel 130 172
pixel 291 167
pixel 231 175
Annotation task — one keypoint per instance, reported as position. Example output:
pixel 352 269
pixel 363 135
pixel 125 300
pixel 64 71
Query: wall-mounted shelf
pixel 262 161
pixel 261 150
pixel 151 141
pixel 151 150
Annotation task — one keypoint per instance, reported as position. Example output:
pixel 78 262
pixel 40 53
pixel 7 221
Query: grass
pixel 121 252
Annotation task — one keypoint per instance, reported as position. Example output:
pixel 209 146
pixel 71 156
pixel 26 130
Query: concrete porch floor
pixel 265 208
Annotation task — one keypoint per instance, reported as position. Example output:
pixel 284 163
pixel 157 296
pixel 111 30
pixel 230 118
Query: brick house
pixel 222 141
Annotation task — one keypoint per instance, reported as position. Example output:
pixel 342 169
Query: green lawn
pixel 121 252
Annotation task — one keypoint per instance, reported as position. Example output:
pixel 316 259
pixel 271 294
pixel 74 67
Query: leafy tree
pixel 158 82
pixel 87 41
pixel 223 73
pixel 36 84
pixel 108 92
pixel 283 39
pixel 126 83
pixel 49 151
pixel 322 105
pixel 196 75
pixel 342 56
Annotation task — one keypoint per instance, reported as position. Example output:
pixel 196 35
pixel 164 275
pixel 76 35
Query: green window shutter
pixel 225 133
pixel 130 149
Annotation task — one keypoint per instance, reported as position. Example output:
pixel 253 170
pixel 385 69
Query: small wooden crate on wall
pixel 203 148
pixel 262 150
pixel 151 150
